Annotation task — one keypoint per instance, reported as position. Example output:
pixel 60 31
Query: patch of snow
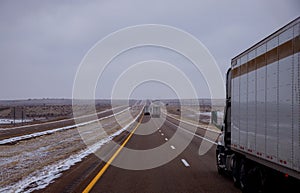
pixel 11 121
pixel 43 177
pixel 47 132
pixel 59 120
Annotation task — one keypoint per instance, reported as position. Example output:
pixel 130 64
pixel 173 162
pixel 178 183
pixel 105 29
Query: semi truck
pixel 147 110
pixel 260 135
pixel 155 111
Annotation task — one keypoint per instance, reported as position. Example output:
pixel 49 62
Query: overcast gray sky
pixel 43 42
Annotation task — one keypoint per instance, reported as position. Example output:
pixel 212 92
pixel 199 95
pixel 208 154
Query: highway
pixel 34 128
pixel 187 171
pixel 37 157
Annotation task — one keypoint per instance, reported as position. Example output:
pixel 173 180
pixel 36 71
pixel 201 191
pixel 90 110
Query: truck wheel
pixel 236 171
pixel 250 178
pixel 219 162
pixel 254 179
pixel 244 177
pixel 257 179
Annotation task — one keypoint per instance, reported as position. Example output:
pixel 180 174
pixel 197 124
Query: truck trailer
pixel 260 135
pixel 155 110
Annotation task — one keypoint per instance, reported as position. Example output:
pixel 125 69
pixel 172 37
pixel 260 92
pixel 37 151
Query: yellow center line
pixel 101 172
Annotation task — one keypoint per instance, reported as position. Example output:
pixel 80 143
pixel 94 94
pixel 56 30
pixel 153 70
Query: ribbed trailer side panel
pixel 265 99
pixel 285 102
pixel 251 102
pixel 261 101
pixel 243 105
pixel 296 100
pixel 272 100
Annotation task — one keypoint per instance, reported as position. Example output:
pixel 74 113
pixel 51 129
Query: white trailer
pixel 261 125
pixel 155 111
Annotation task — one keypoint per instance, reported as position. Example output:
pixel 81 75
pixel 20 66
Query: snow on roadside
pixel 41 178
pixel 58 121
pixel 10 121
pixel 47 132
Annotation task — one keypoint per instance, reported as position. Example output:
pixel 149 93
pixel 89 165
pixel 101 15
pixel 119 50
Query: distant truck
pixel 155 111
pixel 260 136
pixel 147 110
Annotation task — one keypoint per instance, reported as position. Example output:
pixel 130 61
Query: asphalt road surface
pixel 184 171
pixel 188 172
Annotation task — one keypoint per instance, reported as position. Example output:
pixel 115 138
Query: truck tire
pixel 236 171
pixel 252 177
pixel 258 178
pixel 243 178
pixel 218 161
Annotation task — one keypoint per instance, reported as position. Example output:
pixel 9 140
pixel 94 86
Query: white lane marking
pixel 166 139
pixel 162 134
pixel 187 131
pixel 173 147
pixel 159 131
pixel 185 163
